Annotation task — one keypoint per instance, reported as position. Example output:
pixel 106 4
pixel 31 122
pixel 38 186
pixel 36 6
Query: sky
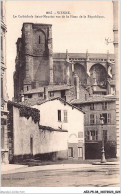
pixel 77 31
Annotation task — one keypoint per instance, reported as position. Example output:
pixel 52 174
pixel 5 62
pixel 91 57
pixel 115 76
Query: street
pixel 81 175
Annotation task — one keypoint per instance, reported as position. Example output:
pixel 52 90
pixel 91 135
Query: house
pixel 28 139
pixel 63 91
pixel 51 129
pixel 58 114
pixel 94 107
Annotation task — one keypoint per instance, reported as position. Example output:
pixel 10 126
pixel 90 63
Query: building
pixel 58 114
pixel 28 139
pixel 4 97
pixel 38 66
pixel 58 135
pixel 74 77
pixel 94 107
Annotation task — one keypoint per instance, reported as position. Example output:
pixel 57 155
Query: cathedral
pixel 37 66
pixel 86 80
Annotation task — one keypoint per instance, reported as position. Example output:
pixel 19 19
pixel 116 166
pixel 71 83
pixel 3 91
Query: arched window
pixel 39 40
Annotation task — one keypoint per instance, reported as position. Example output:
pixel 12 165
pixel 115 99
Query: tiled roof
pixel 94 98
pixel 82 55
pixel 20 105
pixel 33 101
pixel 37 101
pixel 50 88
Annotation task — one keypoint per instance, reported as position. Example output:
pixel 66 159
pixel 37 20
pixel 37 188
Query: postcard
pixel 60 97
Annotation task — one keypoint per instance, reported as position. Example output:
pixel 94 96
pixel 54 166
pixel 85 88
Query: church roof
pixel 82 55
pixel 95 98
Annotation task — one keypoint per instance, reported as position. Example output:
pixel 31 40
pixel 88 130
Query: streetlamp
pixel 103 160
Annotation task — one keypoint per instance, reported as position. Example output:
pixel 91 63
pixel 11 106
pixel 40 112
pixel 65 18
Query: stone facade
pixel 4 97
pixel 38 66
pixel 95 107
pixel 34 65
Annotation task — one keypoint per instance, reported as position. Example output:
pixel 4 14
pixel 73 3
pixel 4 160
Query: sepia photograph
pixel 60 96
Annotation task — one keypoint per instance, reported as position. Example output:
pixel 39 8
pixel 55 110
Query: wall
pixel 93 147
pixel 44 141
pixel 74 116
pixel 110 127
pixel 74 124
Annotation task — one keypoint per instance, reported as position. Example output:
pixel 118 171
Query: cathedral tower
pixel 34 61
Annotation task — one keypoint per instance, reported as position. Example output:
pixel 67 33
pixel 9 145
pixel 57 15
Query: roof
pixel 20 105
pixel 51 129
pixel 95 98
pixel 39 101
pixel 82 55
pixel 50 88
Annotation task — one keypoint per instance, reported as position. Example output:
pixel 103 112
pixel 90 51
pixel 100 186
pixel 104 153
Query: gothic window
pixel 39 40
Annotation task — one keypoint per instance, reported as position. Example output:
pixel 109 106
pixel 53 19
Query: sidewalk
pixel 106 163
pixel 5 168
pixel 13 168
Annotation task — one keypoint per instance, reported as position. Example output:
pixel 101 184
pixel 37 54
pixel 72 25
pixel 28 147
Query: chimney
pixel 76 84
pixel 46 93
